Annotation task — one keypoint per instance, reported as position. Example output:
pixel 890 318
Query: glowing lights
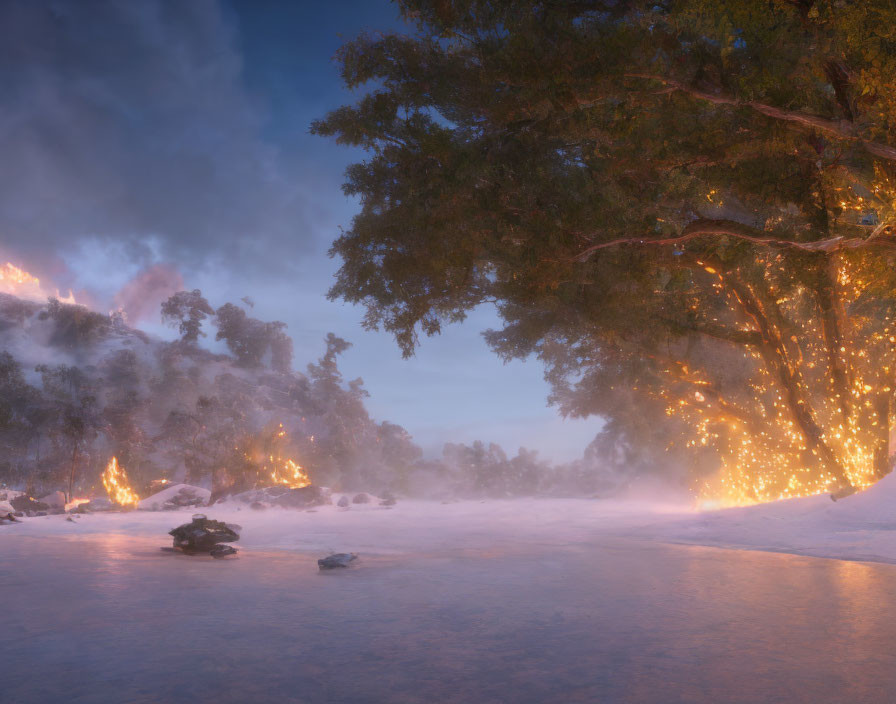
pixel 806 409
pixel 285 471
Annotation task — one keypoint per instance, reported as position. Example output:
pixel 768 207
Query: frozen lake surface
pixel 108 617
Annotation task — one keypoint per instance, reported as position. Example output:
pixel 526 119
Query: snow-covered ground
pixel 408 527
pixel 860 527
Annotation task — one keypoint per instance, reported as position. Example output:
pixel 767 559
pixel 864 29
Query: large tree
pixel 683 207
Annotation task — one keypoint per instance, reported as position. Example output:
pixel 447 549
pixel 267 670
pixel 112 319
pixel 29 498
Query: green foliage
pixel 250 339
pixel 187 310
pixel 75 325
pixel 511 143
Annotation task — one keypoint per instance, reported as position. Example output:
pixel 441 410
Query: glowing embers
pixel 115 479
pixel 20 283
pixel 287 472
pixel 283 470
pixel 802 403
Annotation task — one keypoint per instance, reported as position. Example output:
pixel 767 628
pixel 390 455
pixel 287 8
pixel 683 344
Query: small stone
pixel 220 550
pixel 388 502
pixel 258 506
pixel 361 498
pixel 343 502
pixel 337 560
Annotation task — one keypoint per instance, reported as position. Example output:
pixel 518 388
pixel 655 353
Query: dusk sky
pixel 152 146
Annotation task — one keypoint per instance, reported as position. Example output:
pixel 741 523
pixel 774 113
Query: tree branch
pixel 835 128
pixel 736 230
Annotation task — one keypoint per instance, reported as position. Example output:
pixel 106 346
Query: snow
pixel 408 527
pixel 859 527
pixel 173 493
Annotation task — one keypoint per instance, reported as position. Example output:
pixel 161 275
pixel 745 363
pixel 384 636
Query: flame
pixel 115 479
pixel 22 284
pixel 74 503
pixel 290 474
pixel 286 471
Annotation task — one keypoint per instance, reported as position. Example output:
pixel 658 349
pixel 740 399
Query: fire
pixel 286 471
pixel 289 473
pixel 19 282
pixel 115 479
pixel 74 503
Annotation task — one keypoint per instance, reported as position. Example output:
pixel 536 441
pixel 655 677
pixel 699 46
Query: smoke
pixel 141 298
pixel 122 122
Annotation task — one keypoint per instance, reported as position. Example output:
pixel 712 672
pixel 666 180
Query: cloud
pixel 124 122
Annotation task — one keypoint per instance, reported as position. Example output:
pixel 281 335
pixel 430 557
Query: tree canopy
pixel 684 208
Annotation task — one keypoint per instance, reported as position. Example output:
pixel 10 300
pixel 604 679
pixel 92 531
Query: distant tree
pixel 122 402
pixel 75 326
pixel 76 418
pixel 252 340
pixel 693 200
pixel 187 310
pixel 20 418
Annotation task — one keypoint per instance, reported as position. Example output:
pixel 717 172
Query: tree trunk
pixel 774 354
pixel 71 476
pixel 882 448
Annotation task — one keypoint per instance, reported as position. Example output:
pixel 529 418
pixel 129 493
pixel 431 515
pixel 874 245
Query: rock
pixel 361 498
pixel 220 550
pixel 54 499
pixel 304 497
pixel 388 499
pixel 28 503
pixel 343 502
pixel 8 518
pixel 263 496
pixel 174 497
pixel 100 503
pixel 202 534
pixel 6 507
pixel 337 560
pixel 258 506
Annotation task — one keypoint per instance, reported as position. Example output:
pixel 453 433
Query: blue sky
pixel 173 137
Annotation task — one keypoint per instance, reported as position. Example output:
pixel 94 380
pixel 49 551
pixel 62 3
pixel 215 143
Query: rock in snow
pixel 304 497
pixel 361 498
pixel 203 534
pixel 100 503
pixel 343 502
pixel 55 499
pixel 28 503
pixel 220 550
pixel 175 497
pixel 337 560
